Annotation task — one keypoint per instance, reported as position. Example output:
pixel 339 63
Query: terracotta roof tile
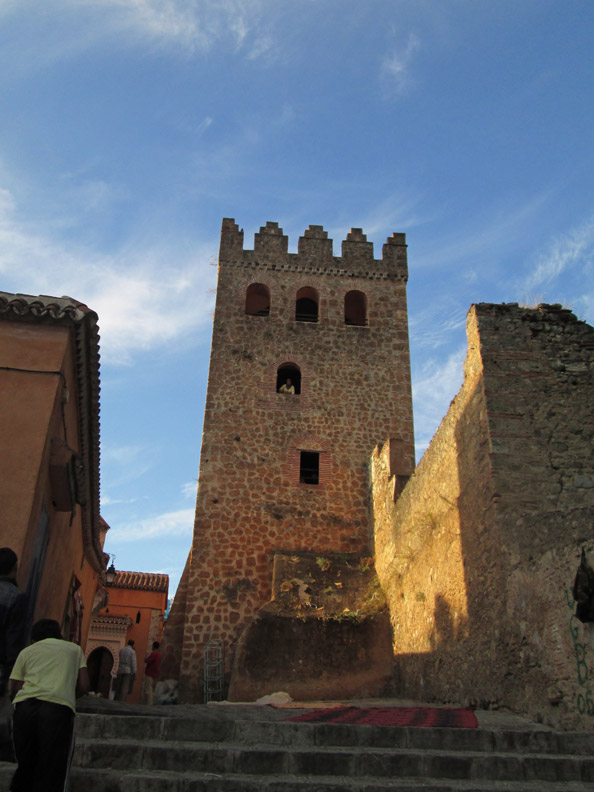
pixel 145 581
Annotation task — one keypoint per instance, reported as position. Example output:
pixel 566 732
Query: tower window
pixel 355 308
pixel 288 371
pixel 309 467
pixel 257 300
pixel 306 306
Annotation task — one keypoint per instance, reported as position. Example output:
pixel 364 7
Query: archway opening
pixel 355 308
pixel 257 300
pixel 306 305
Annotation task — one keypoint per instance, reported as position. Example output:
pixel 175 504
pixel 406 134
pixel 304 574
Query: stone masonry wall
pixel 539 387
pixel 479 553
pixel 355 391
pixel 173 630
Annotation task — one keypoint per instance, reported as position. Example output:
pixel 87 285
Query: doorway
pixel 99 665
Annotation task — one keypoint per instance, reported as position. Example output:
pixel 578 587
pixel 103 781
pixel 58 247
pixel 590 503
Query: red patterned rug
pixel 394 716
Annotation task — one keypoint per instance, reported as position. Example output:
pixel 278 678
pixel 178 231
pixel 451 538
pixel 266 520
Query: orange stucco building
pixel 49 465
pixel 135 610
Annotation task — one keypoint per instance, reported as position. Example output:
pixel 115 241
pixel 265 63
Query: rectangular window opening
pixel 309 467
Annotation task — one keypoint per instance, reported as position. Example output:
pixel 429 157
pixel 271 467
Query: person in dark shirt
pixel 13 615
pixel 13 626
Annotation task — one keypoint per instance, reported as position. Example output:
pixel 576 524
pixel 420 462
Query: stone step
pixel 353 761
pixel 265 753
pixel 85 780
pixel 160 781
pixel 286 733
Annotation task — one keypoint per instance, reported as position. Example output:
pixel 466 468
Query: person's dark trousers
pixel 42 734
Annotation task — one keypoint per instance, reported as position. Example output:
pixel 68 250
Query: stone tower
pixel 288 472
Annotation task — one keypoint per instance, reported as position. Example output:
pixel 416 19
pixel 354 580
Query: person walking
pixel 126 671
pixel 152 663
pixel 47 677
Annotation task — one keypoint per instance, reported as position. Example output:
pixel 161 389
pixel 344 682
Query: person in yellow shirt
pixel 288 387
pixel 44 683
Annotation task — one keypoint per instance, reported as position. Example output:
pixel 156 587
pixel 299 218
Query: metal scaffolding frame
pixel 214 671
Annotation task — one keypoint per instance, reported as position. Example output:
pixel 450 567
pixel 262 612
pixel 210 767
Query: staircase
pixel 232 752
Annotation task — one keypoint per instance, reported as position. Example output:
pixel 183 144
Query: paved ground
pixel 487 719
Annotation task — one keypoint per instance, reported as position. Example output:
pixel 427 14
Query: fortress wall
pixel 478 554
pixel 354 391
pixel 422 556
pixel 539 386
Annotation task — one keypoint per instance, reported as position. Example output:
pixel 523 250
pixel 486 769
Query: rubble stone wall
pixel 478 554
pixel 173 631
pixel 354 392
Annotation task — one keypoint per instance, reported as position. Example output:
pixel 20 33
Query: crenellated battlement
pixel 314 252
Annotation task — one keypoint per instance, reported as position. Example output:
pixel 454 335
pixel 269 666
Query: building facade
pixel 49 463
pixel 309 370
pixel 135 609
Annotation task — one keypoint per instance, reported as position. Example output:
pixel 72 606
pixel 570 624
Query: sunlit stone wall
pixel 479 553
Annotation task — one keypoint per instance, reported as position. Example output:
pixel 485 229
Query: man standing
pixel 46 678
pixel 13 615
pixel 152 662
pixel 126 671
pixel 13 624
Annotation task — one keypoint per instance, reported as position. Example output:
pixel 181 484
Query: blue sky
pixel 130 128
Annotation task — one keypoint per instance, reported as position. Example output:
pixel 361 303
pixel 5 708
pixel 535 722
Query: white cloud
pixel 145 295
pixel 7 204
pixel 158 20
pixel 91 195
pixel 186 25
pixel 564 272
pixel 175 523
pixel 572 250
pixel 395 213
pixel 488 238
pixel 262 48
pixel 123 455
pixel 433 391
pixel 189 489
pixel 396 65
pixel 107 501
pixel 123 465
pixel 204 125
pixel 433 327
pixel 8 5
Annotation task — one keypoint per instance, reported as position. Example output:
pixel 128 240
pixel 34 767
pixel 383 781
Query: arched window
pixel 257 300
pixel 306 305
pixel 286 372
pixel 355 308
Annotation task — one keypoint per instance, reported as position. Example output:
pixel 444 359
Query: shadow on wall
pixel 311 659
